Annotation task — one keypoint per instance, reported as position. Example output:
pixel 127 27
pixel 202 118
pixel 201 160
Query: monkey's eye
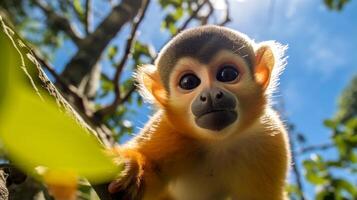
pixel 189 81
pixel 227 73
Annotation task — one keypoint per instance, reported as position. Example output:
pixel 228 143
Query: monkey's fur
pixel 237 152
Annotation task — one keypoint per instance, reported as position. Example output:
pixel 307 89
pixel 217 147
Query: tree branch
pixel 59 21
pixel 129 93
pixel 52 71
pixel 80 103
pixel 319 147
pixel 129 43
pixel 93 46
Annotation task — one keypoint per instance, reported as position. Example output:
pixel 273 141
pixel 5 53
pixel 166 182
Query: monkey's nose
pixel 211 95
pixel 204 96
pixel 219 94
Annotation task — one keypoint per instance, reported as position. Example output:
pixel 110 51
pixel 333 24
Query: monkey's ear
pixel 264 65
pixel 150 85
pixel 270 62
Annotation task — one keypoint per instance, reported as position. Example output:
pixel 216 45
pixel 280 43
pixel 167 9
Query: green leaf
pixel 330 124
pixel 78 9
pixel 166 3
pixel 316 170
pixel 3 69
pixel 172 29
pixel 140 49
pixel 325 195
pixel 112 52
pixel 316 179
pixel 178 14
pixel 352 124
pixel 336 4
pixel 36 133
pixel 353 157
pixel 139 100
pixel 341 145
pixel 346 186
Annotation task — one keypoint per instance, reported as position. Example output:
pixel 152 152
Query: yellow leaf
pixel 36 133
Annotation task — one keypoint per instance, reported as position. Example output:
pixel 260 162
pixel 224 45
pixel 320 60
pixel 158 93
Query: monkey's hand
pixel 130 184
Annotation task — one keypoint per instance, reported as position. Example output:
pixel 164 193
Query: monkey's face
pixel 212 81
pixel 216 98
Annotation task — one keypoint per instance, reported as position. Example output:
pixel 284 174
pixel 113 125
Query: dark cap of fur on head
pixel 202 43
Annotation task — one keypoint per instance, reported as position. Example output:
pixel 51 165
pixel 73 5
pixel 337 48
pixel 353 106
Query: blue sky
pixel 322 54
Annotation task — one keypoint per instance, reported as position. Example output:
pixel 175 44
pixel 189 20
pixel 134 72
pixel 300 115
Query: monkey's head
pixel 212 81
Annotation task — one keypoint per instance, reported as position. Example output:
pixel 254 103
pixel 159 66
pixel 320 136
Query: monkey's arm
pixel 139 174
pixel 147 159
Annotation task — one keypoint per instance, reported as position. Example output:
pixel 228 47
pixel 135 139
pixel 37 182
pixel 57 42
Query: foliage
pixel 323 173
pixel 348 102
pixel 332 173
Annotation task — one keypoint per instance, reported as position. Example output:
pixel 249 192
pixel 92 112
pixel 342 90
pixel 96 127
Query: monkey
pixel 214 134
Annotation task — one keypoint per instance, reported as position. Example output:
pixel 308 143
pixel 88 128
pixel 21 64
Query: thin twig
pixel 129 93
pixel 293 154
pixel 319 147
pixel 204 19
pixel 129 43
pixel 227 17
pixel 192 16
pixel 87 16
pixel 296 171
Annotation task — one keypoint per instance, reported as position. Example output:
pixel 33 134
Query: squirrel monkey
pixel 215 135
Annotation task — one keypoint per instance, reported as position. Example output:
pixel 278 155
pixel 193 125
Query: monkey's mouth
pixel 216 120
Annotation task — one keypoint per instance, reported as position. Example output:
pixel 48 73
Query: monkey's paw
pixel 130 184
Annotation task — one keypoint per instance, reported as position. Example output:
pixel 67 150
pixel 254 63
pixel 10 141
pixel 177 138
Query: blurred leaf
pixel 293 190
pixel 352 124
pixel 167 3
pixel 3 69
pixel 315 179
pixel 169 23
pixel 78 9
pixel 336 4
pixel 330 124
pixel 35 133
pixel 141 50
pixel 178 14
pixel 126 85
pixel 341 145
pixel 325 195
pixel 348 102
pixel 316 171
pixel 139 100
pixel 346 186
pixel 112 52
pixel 172 29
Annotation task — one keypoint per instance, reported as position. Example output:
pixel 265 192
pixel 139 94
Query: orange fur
pixel 176 160
pixel 261 158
